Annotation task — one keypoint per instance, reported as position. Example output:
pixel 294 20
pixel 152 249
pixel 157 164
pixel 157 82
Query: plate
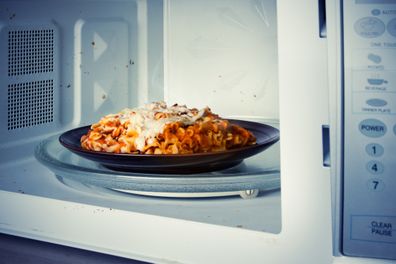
pixel 176 163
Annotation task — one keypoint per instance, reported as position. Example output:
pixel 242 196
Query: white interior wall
pixel 222 54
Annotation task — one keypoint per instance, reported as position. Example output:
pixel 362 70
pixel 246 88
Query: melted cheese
pixel 142 120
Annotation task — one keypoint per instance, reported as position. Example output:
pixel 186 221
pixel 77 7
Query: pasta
pixel 159 129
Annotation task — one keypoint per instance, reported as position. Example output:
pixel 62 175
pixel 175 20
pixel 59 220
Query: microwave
pixel 321 72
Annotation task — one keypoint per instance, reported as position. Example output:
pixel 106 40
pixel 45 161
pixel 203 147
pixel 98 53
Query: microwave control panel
pixel 369 178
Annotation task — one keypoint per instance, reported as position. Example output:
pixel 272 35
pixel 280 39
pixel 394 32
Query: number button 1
pixel 374 150
pixel 375 167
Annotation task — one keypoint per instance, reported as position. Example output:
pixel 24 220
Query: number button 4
pixel 375 167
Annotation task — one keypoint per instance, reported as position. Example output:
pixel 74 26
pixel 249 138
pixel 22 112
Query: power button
pixel 372 128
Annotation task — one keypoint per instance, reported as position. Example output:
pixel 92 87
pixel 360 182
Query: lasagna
pixel 160 129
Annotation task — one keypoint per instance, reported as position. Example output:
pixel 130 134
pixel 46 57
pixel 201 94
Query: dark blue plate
pixel 177 163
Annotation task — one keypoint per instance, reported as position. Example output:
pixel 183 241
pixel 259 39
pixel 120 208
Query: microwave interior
pixel 66 64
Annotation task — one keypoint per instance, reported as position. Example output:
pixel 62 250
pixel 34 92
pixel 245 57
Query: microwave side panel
pixel 68 64
pixel 30 78
pixel 93 49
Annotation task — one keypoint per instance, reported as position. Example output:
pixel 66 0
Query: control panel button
pixel 375 12
pixel 374 58
pixel 375 81
pixel 373 103
pixel 373 228
pixel 376 61
pixel 372 128
pixel 375 185
pixel 391 27
pixel 374 150
pixel 376 102
pixel 375 167
pixel 369 27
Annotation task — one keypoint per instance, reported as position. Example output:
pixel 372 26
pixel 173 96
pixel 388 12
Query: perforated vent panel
pixel 30 103
pixel 30 51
